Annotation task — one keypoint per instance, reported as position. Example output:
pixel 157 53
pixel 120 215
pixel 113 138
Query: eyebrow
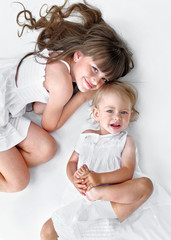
pixel 127 109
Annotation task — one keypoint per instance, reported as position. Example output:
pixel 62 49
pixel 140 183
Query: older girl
pixel 88 53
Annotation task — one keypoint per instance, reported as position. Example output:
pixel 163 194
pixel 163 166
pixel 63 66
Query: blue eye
pixel 110 111
pixel 95 69
pixel 104 80
pixel 124 112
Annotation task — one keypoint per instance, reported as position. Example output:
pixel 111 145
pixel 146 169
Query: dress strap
pixel 66 64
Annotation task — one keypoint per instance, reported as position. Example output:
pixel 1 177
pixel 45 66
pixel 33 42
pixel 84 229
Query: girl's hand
pixel 80 186
pixel 89 95
pixel 39 107
pixel 91 179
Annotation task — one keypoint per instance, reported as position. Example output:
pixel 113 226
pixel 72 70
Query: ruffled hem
pixel 154 219
pixel 75 218
pixel 14 132
pixel 64 222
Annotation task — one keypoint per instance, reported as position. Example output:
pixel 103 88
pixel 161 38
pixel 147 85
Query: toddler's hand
pixel 92 179
pixel 79 184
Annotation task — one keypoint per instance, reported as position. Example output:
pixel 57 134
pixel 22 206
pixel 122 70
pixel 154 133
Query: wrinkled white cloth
pixel 80 219
pixel 15 99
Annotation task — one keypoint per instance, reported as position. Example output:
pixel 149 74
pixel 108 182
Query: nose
pixel 117 117
pixel 94 80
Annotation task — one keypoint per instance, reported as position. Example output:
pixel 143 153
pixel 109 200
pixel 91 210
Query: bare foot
pixel 93 194
pixel 82 171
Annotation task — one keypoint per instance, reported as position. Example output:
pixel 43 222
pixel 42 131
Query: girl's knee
pixel 48 231
pixel 49 149
pixel 146 185
pixel 19 183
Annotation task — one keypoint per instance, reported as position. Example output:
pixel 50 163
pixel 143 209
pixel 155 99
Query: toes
pixel 82 171
pixel 85 168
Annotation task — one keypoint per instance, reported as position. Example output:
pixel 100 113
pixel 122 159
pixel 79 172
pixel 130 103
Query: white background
pixel 146 27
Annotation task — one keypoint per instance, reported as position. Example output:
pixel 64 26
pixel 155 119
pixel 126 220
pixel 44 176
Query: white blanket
pixel 146 27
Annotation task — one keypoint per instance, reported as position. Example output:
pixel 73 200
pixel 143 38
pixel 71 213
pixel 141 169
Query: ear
pixel 96 114
pixel 132 112
pixel 77 56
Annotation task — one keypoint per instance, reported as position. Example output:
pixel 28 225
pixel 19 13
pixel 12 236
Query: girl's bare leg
pixel 38 147
pixel 125 197
pixel 14 174
pixel 48 232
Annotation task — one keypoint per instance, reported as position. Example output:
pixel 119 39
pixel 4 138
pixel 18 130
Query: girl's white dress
pixel 14 99
pixel 81 219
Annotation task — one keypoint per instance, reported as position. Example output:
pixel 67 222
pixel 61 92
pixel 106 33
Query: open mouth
pixel 115 126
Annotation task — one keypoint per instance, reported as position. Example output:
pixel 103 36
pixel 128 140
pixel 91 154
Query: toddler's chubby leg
pixel 95 193
pixel 82 171
pixel 48 232
pixel 125 197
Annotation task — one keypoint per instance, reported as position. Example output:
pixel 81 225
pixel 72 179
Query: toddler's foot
pixel 82 171
pixel 93 194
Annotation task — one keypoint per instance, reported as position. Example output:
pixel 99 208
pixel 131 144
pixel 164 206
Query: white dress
pixel 81 219
pixel 14 99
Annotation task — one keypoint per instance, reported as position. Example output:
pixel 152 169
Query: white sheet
pixel 146 26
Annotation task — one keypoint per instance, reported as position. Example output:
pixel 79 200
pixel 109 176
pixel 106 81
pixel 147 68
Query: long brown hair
pixel 91 35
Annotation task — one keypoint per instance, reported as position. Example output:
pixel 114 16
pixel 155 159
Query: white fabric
pixel 13 125
pixel 101 153
pixel 82 219
pixel 14 99
pixel 67 65
pixel 145 25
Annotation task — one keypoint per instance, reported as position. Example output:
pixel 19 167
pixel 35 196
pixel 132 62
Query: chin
pixel 83 89
pixel 116 131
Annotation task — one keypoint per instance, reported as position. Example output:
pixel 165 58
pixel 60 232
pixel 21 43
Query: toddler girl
pixel 101 168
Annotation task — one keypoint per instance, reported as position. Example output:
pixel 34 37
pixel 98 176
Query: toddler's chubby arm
pixel 92 179
pixel 71 173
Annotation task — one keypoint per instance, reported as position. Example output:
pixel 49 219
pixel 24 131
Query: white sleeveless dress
pixel 14 99
pixel 101 153
pixel 81 219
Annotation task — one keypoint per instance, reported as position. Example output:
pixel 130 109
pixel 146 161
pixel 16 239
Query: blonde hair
pixel 124 90
pixel 92 36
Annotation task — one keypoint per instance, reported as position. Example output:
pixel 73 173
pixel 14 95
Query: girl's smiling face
pixel 113 113
pixel 86 74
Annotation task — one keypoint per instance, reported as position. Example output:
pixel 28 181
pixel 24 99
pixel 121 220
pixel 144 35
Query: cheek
pixel 101 83
pixel 126 120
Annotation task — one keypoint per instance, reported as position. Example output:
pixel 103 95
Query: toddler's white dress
pixel 14 99
pixel 82 219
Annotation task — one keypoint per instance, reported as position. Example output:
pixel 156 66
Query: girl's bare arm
pixel 74 103
pixel 70 107
pixel 72 166
pixel 58 83
pixel 71 169
pixel 60 105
